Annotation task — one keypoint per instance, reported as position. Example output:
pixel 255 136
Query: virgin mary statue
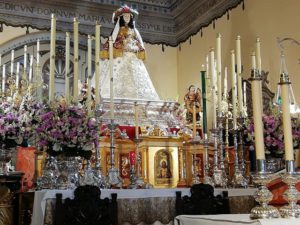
pixel 131 79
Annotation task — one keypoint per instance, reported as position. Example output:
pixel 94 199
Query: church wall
pixel 162 68
pixel 9 33
pixel 261 18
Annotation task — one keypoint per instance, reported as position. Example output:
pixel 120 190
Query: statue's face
pixel 126 17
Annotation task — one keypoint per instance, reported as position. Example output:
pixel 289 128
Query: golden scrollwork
pixel 157 131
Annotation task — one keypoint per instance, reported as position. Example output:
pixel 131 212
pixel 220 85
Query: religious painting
pixel 124 166
pixel 108 162
pixel 198 166
pixel 163 168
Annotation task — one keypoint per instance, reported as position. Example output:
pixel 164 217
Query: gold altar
pixel 166 161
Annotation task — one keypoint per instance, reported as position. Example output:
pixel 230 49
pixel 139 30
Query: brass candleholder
pixel 263 196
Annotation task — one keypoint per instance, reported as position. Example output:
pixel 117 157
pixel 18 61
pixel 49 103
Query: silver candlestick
pixel 102 180
pixel 242 164
pixel 136 180
pixel 221 119
pixel 113 173
pixel 238 179
pixel 263 196
pixel 207 177
pixel 292 195
pixel 217 175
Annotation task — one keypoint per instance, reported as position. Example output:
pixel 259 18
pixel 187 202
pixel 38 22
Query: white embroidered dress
pixel 131 78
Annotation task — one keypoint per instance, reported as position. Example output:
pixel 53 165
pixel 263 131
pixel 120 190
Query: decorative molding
pixel 167 22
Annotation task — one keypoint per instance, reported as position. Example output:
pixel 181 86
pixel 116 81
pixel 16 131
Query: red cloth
pixel 26 164
pixel 277 187
pixel 132 157
pixel 130 130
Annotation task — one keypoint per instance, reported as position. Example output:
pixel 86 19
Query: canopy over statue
pixel 131 79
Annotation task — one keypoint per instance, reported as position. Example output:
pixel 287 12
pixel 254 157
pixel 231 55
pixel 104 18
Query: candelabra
pixel 221 120
pixel 101 179
pixel 207 177
pixel 136 181
pixel 113 173
pixel 238 179
pixel 242 165
pixel 218 174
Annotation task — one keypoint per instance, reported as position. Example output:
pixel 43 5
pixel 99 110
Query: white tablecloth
pixel 230 219
pixel 40 197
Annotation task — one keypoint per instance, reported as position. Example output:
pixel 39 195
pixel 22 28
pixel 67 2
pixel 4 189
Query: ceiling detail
pixel 168 22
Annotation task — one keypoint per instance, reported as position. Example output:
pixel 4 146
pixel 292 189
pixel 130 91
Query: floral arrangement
pixel 67 129
pixel 16 121
pixel 273 133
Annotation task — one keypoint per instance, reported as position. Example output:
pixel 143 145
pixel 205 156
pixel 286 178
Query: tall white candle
pixel 25 58
pixel 239 72
pixel 234 90
pixel 257 114
pixel 219 70
pixel 245 94
pixel 18 75
pixel 12 61
pixel 52 58
pixel 30 68
pixel 253 61
pixel 76 68
pixel 136 119
pixel 207 65
pixel 97 63
pixel 111 61
pixel 89 75
pixel 258 64
pixel 213 85
pixel 38 52
pixel 67 67
pixel 225 81
pixel 258 55
pixel 286 119
pixel 3 78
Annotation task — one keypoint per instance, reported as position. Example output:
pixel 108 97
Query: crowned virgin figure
pixel 131 79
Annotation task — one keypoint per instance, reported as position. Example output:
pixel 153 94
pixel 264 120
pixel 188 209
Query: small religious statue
pixel 192 97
